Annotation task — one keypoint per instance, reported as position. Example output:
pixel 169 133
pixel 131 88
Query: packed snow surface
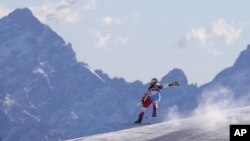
pixel 188 129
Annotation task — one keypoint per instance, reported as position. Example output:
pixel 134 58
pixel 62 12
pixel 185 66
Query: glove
pixel 174 84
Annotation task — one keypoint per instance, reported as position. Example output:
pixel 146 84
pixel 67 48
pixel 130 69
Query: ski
pixel 149 117
pixel 143 123
pixel 139 124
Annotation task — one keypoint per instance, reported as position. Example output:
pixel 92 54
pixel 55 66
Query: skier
pixel 152 96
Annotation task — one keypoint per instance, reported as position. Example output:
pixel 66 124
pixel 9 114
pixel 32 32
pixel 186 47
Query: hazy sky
pixel 141 39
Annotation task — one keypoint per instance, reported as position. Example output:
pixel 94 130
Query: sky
pixel 143 39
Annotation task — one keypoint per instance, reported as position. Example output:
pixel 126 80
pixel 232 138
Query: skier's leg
pixel 143 109
pixel 155 107
pixel 145 105
pixel 155 98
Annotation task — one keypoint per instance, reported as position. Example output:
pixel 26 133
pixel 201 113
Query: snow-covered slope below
pixel 189 129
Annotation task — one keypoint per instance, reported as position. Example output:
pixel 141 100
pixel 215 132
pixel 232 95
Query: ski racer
pixel 152 96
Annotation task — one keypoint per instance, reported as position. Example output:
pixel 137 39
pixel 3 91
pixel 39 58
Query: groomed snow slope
pixel 197 128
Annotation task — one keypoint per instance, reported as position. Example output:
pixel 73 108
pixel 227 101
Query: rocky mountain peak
pixel 175 75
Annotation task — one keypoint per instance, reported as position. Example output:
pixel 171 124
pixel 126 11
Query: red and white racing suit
pixel 152 95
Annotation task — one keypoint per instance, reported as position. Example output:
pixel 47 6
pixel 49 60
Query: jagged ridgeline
pixel 46 94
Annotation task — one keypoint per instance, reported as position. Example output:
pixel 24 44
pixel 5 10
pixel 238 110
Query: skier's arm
pixel 143 97
pixel 171 84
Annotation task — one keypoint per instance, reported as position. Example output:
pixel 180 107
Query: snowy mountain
pixel 46 94
pixel 236 77
pixel 43 89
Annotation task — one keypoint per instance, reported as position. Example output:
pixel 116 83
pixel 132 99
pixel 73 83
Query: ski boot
pixel 139 119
